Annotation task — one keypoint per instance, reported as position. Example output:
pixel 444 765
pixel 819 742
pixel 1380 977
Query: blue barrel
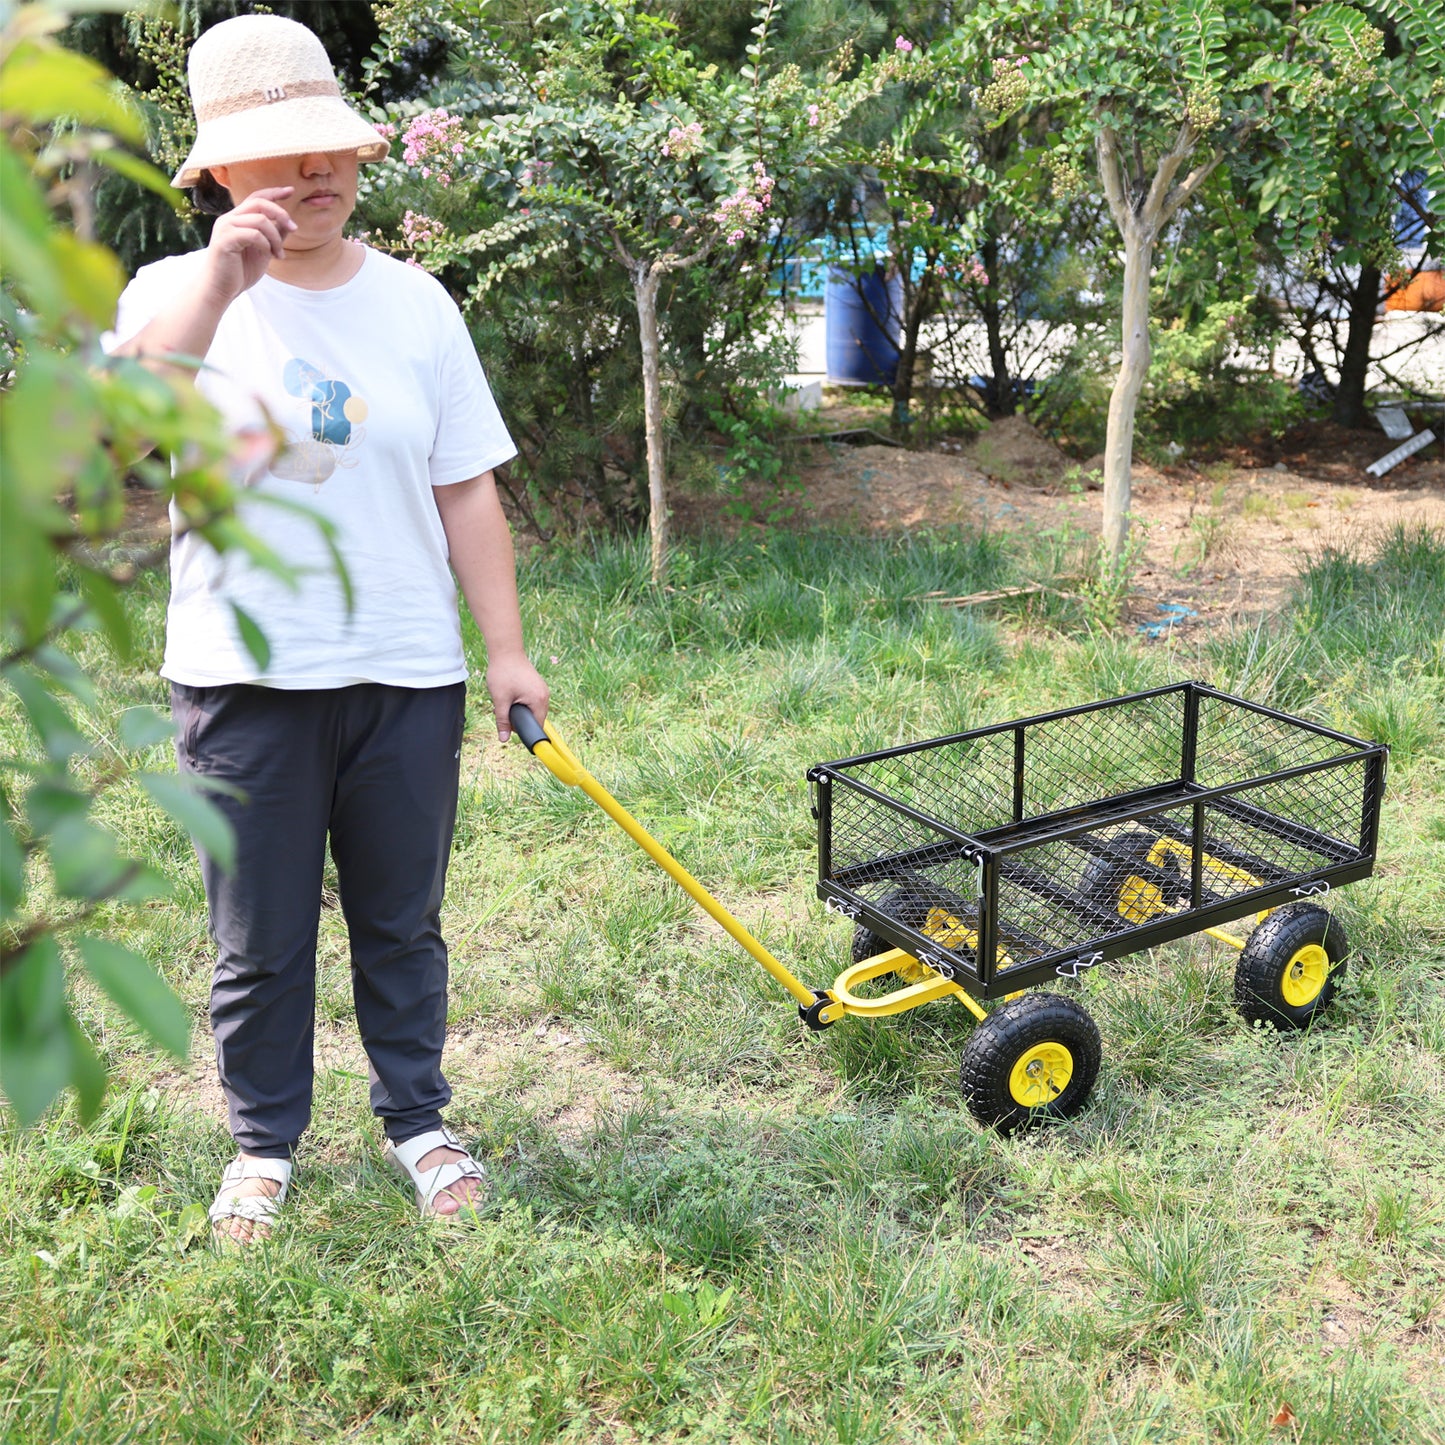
pixel 861 352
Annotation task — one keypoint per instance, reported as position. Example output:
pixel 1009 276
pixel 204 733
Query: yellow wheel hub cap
pixel 1305 975
pixel 1041 1074
pixel 1140 900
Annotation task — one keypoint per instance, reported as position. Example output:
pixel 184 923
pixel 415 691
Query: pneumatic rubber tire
pixel 1288 971
pixel 867 944
pixel 1104 879
pixel 1032 1060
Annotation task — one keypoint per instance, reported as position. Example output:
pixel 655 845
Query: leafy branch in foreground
pixel 73 425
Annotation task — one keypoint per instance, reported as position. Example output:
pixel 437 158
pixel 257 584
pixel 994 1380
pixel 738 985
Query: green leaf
pixel 52 799
pixel 56 729
pixel 138 991
pixel 12 870
pixel 87 1074
pixel 66 671
pixel 182 799
pixel 44 83
pixel 144 727
pixel 84 859
pixel 252 637
pixel 142 172
pixel 103 599
pixel 29 261
pixel 92 275
pixel 35 1053
pixel 86 864
pixel 192 1223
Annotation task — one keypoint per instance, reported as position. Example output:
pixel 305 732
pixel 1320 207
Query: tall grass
pixel 710 1225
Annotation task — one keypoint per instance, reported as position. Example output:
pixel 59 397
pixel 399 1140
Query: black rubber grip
pixel 526 726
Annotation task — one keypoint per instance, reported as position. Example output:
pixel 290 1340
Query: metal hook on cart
pixel 940 966
pixel 850 911
pixel 1311 890
pixel 1074 966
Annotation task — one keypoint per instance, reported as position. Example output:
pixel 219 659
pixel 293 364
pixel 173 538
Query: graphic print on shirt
pixel 336 431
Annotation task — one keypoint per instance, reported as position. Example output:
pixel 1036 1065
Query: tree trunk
pixel 1000 393
pixel 645 280
pixel 903 376
pixel 1124 400
pixel 1349 408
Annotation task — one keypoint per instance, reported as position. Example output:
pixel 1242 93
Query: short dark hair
pixel 210 197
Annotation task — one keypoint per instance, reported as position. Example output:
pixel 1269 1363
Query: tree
pixel 916 181
pixel 1375 105
pixel 977 226
pixel 1160 93
pixel 72 425
pixel 618 144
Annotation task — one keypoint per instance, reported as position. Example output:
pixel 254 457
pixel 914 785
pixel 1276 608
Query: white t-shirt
pixel 379 392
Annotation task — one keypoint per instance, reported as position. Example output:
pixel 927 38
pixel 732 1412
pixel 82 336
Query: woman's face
pixel 323 191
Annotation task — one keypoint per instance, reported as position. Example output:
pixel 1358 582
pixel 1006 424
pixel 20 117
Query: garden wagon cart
pixel 985 863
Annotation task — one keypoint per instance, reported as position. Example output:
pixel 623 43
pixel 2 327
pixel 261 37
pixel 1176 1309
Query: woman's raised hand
pixel 247 239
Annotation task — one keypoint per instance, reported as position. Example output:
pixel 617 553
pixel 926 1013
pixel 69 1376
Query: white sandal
pixel 431 1182
pixel 255 1208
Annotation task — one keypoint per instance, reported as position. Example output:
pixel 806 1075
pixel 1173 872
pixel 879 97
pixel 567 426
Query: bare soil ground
pixel 1224 538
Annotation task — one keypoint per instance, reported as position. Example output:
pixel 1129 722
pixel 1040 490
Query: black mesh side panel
pixel 1083 758
pixel 1063 895
pixel 1236 743
pixel 866 831
pixel 968 784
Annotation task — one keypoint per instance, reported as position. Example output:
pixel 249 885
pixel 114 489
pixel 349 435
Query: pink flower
pixel 385 129
pixel 742 211
pixel 903 44
pixel 433 135
pixel 418 230
pixel 683 141
pixel 812 115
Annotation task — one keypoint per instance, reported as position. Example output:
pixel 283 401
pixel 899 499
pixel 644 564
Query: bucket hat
pixel 263 86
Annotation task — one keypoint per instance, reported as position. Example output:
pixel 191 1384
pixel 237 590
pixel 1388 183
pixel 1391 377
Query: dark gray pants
pixel 376 768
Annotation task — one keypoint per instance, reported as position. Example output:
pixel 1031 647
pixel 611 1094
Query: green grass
pixel 711 1225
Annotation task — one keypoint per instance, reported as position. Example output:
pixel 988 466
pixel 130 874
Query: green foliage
pixel 598 143
pixel 73 424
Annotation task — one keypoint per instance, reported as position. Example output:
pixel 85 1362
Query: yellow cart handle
pixel 544 744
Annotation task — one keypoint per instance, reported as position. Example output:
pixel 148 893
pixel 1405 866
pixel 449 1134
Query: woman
pixel 353 729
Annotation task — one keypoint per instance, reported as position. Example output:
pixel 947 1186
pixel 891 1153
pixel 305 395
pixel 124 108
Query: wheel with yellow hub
pixel 1119 884
pixel 1290 967
pixel 907 909
pixel 1034 1059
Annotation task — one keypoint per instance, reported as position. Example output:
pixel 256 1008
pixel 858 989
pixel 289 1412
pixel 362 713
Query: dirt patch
pixel 546 1068
pixel 1013 450
pixel 1063 1269
pixel 1324 451
pixel 1219 541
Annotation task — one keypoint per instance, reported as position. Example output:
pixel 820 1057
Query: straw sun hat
pixel 263 86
